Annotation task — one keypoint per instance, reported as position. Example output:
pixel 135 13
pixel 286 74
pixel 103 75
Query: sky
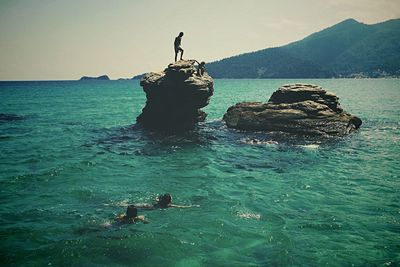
pixel 67 39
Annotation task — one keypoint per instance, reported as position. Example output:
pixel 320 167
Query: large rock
pixel 302 109
pixel 175 96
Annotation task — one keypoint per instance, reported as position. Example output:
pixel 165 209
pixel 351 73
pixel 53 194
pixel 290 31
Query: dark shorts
pixel 177 49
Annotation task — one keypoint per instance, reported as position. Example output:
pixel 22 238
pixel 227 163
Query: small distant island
pixel 138 77
pixel 100 78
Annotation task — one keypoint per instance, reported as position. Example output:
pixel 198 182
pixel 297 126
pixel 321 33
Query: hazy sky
pixel 66 39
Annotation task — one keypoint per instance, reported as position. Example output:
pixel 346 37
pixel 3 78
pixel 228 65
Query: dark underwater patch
pixel 135 140
pixel 4 117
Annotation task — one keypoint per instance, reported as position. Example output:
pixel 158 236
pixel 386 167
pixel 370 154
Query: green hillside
pixel 346 49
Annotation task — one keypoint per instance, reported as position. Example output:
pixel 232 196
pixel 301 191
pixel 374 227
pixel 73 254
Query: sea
pixel 72 159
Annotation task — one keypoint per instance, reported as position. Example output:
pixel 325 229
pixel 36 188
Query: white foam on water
pixel 311 146
pixel 258 142
pixel 106 223
pixel 248 215
pixel 122 203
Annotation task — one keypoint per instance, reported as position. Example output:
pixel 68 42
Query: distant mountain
pixel 347 49
pixel 102 78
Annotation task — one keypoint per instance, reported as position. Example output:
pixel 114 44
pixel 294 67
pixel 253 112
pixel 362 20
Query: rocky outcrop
pixel 175 96
pixel 302 109
pixel 101 78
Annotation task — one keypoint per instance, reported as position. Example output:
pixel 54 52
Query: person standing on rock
pixel 177 46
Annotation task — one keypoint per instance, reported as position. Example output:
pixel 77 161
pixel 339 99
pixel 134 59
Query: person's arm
pixel 120 218
pixel 141 218
pixel 144 206
pixel 182 207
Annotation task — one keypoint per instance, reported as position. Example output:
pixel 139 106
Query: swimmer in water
pixel 131 216
pixel 163 202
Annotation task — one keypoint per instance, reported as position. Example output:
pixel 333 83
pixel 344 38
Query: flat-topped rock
pixel 100 78
pixel 298 92
pixel 302 109
pixel 175 96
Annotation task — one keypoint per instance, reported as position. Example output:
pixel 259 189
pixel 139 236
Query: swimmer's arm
pixel 142 219
pixel 144 206
pixel 120 217
pixel 182 207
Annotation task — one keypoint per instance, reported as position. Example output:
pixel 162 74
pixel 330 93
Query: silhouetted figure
pixel 177 46
pixel 130 216
pixel 201 68
pixel 163 202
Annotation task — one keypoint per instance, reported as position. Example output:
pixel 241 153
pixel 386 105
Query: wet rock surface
pixel 175 97
pixel 302 109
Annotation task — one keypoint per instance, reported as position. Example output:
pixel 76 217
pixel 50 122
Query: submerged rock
pixel 175 97
pixel 5 117
pixel 302 109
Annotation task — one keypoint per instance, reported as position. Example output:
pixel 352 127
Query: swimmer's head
pixel 131 212
pixel 164 200
pixel 180 34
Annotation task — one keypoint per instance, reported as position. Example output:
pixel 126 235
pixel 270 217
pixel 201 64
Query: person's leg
pixel 181 53
pixel 176 55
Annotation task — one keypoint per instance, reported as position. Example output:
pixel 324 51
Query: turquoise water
pixel 71 161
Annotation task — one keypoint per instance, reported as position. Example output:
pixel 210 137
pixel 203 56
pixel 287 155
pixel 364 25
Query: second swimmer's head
pixel 164 200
